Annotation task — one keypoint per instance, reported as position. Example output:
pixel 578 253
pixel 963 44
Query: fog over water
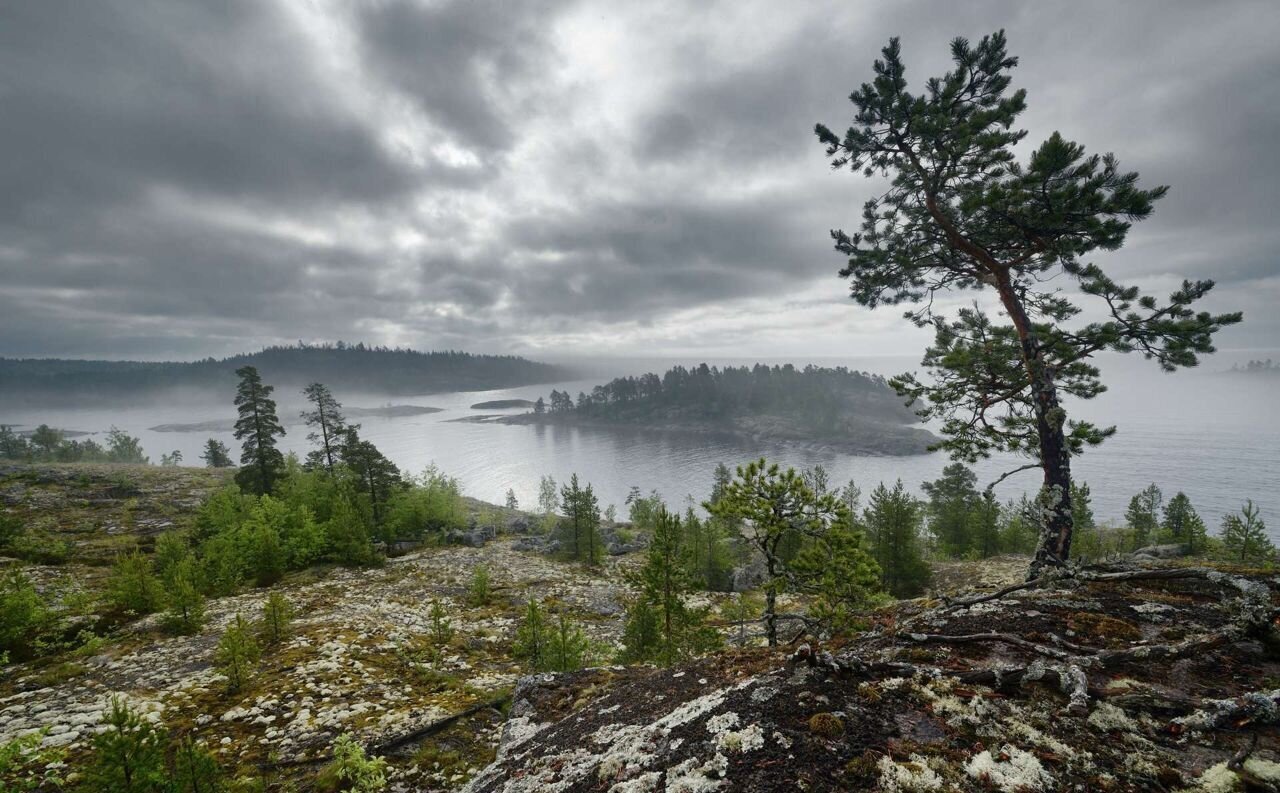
pixel 1215 436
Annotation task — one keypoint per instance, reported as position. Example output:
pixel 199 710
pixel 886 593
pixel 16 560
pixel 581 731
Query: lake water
pixel 1214 436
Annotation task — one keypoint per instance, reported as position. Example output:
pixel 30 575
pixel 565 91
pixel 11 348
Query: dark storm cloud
pixel 186 178
pixel 461 62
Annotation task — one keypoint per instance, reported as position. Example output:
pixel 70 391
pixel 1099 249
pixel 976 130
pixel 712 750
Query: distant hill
pixel 343 367
pixel 831 407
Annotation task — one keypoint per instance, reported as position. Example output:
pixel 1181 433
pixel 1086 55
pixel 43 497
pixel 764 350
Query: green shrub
pixel 133 588
pixel 532 637
pixel 184 613
pixel 24 765
pixel 171 548
pixel 39 547
pixel 277 613
pixel 350 541
pixel 352 770
pixel 128 756
pixel 432 505
pixel 441 627
pixel 195 769
pixel 23 616
pixel 224 564
pixel 237 654
pixel 11 529
pixel 478 591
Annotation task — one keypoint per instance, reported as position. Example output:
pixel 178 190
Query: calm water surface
pixel 1214 436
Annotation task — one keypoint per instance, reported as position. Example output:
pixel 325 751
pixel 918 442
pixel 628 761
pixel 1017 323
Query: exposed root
pixel 1255 707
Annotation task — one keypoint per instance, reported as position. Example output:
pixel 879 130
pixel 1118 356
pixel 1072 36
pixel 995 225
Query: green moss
pixel 826 725
pixel 1112 631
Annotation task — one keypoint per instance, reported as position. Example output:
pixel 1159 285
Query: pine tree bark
pixel 1054 504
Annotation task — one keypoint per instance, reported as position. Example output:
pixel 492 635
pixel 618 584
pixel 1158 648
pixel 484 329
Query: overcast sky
pixel 184 178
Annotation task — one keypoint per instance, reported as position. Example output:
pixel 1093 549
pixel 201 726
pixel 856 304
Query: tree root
pixel 1255 612
pixel 1255 707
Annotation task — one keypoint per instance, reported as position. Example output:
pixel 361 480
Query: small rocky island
pixel 503 404
pixel 836 408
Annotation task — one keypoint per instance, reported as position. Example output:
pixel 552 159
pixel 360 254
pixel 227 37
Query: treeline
pixel 46 444
pixel 819 395
pixel 1268 366
pixel 391 370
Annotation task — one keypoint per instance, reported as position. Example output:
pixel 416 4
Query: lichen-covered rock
pixel 900 710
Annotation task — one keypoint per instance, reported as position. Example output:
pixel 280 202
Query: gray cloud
pixel 185 178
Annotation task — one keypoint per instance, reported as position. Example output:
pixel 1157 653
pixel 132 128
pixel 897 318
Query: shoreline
pixel 903 440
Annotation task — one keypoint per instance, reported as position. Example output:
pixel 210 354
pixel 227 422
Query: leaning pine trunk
pixel 1054 504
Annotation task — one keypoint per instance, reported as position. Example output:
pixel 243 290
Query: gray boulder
pixel 749 576
pixel 1172 551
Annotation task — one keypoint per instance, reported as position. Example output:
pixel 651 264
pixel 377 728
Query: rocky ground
pixel 359 661
pixel 360 658
pixel 1087 684
pixel 97 510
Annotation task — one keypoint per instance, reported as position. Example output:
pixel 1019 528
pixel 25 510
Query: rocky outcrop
pixel 1120 681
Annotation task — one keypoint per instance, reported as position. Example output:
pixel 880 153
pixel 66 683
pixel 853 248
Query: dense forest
pixel 818 395
pixel 346 366
pixel 836 406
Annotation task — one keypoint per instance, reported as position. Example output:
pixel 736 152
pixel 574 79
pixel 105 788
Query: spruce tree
pixel 961 213
pixel 893 520
pixel 216 454
pixel 984 526
pixel 512 501
pixel 1182 524
pixel 952 497
pixel 328 426
pixel 258 429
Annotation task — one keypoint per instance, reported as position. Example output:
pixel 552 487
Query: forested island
pixel 837 407
pixel 349 367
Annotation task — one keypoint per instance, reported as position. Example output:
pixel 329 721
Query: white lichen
pixel 1011 770
pixel 722 722
pixel 1108 718
pixel 691 776
pixel 747 739
pixel 913 776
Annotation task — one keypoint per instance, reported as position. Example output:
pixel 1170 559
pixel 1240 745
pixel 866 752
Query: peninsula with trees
pixel 348 367
pixel 839 408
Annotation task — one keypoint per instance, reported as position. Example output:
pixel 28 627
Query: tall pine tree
pixel 378 476
pixel 257 429
pixel 328 426
pixel 961 213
